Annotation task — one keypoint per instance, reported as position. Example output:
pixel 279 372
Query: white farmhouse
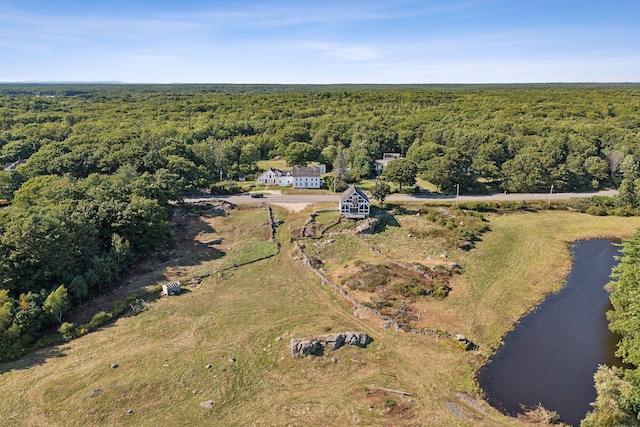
pixel 308 177
pixel 276 177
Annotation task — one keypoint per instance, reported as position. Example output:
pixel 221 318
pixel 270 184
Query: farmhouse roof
pixel 309 171
pixel 277 172
pixel 350 192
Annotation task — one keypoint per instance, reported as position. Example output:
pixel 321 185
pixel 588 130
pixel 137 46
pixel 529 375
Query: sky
pixel 321 41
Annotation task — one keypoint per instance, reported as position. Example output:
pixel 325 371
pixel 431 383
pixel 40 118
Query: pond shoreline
pixel 537 362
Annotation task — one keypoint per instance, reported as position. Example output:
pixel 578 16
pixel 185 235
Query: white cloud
pixel 354 52
pixel 323 42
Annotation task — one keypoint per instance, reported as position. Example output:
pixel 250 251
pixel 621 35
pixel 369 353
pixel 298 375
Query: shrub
pixel 66 330
pixel 441 292
pixel 478 206
pixel 412 288
pixel 624 211
pixel 389 403
pixel 369 278
pixel 99 319
pixel 225 188
pixel 597 211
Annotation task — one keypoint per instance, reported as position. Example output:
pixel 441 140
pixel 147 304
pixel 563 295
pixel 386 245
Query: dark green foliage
pixel 463 227
pixel 380 191
pixel 596 205
pixel 335 184
pixel 618 401
pixel 401 171
pixel 413 287
pixel 299 154
pixel 610 408
pixel 225 188
pixel 518 137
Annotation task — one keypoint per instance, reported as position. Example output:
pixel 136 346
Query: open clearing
pixel 227 338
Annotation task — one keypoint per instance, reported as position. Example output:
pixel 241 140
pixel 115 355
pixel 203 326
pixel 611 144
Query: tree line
pixel 618 388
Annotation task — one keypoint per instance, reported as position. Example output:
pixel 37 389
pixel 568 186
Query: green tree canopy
pixel 57 303
pixel 299 154
pixel 401 171
pixel 380 191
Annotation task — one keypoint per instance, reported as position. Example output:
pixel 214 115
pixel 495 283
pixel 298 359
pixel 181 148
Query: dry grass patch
pixel 523 258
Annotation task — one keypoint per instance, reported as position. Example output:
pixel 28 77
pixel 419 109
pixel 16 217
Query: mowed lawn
pixel 227 340
pixel 524 257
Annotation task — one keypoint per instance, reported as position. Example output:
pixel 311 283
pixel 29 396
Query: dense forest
pixel 101 162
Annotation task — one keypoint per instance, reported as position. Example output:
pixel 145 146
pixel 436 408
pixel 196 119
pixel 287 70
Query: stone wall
pixel 387 321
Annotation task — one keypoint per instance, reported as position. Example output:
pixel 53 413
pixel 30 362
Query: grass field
pixel 279 163
pixel 227 339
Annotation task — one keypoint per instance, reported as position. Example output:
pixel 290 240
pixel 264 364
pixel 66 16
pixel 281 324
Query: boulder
pixel 304 347
pixel 368 226
pixel 212 242
pixel 333 342
pixel 461 338
pixel 316 345
pixel 208 404
pixel 359 339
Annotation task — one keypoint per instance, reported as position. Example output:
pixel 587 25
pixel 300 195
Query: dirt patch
pixel 293 207
pixel 384 403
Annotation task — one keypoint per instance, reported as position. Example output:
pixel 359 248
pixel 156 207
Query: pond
pixel 552 354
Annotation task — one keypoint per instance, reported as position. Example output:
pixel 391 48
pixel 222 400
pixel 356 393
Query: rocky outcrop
pixel 316 345
pixel 368 226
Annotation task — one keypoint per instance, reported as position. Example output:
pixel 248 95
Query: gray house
pixel 10 167
pixel 386 158
pixel 354 203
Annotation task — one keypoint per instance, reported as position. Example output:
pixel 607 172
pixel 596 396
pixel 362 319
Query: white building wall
pixel 306 182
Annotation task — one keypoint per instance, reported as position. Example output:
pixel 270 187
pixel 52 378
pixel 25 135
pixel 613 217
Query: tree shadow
pixel 140 280
pixel 34 358
pixel 181 251
pixel 385 219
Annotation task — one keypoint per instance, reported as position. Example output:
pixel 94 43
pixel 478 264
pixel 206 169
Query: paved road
pixel 317 198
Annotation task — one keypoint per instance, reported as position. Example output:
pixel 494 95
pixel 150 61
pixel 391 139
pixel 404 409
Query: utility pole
pixel 457 193
pixel 550 193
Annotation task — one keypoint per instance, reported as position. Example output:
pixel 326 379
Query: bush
pixel 597 211
pixel 225 188
pixel 624 211
pixel 514 206
pixel 99 319
pixel 478 206
pixel 413 288
pixel 441 292
pixel 66 330
pixel 596 205
pixel 603 201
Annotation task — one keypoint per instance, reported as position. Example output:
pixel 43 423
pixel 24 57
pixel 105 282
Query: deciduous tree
pixel 401 171
pixel 380 191
pixel 57 303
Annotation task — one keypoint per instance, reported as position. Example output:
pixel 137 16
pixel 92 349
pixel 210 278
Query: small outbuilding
pixel 354 203
pixel 172 288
